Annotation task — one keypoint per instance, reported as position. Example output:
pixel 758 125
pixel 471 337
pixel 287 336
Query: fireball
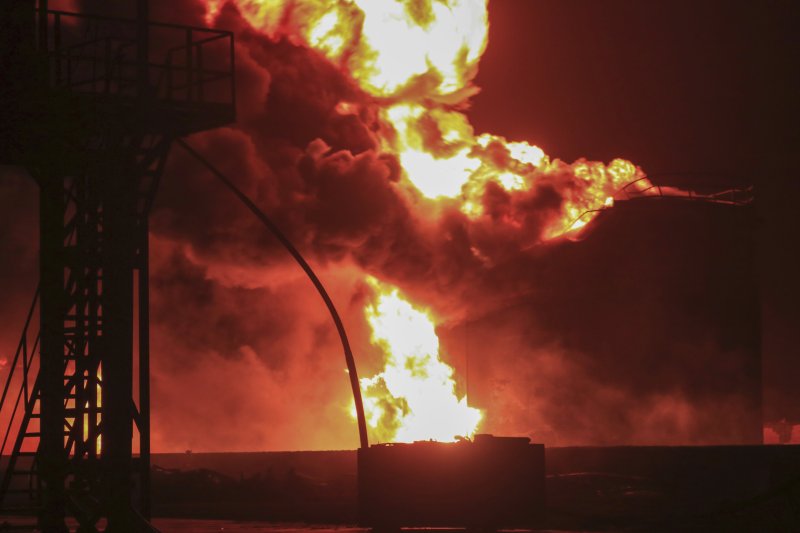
pixel 415 61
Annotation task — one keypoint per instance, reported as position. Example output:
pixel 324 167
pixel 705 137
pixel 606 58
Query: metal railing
pixel 642 188
pixel 24 360
pixel 106 56
pixel 730 196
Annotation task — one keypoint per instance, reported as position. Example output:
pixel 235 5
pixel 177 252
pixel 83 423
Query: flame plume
pixel 413 397
pixel 414 62
pixel 391 48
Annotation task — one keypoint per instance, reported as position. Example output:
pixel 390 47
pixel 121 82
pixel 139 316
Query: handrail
pixel 653 191
pixel 105 18
pixel 100 62
pixel 95 42
pixel 22 343
pixel 663 191
pixel 24 388
pixel 12 418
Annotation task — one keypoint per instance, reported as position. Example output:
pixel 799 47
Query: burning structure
pixel 353 135
pixel 455 205
pixel 91 116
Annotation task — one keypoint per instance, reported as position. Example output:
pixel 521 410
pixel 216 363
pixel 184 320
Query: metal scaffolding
pixel 98 102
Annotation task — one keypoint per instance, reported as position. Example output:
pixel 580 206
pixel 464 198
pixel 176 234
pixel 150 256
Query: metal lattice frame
pixel 111 114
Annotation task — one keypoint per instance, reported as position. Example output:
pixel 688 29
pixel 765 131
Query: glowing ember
pixel 414 397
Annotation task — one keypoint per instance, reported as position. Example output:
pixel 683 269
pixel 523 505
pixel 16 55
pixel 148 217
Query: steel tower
pixel 90 107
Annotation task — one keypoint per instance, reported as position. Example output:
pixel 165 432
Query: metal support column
pixel 144 368
pixel 118 251
pixel 96 140
pixel 52 457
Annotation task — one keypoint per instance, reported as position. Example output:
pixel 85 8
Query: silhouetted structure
pixel 489 483
pixel 90 107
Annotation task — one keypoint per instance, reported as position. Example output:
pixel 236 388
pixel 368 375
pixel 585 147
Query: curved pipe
pixel 348 352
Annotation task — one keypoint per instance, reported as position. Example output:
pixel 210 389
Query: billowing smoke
pixel 323 176
pixel 244 353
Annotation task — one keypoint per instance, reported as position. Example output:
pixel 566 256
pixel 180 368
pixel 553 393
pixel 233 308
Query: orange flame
pixel 389 47
pixel 415 61
pixel 414 396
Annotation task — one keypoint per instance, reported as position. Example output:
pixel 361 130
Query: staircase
pixel 114 94
pixel 20 487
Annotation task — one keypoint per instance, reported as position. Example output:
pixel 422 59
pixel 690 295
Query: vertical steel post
pixel 43 25
pixel 189 66
pixel 117 366
pixel 144 368
pixel 52 458
pixel 143 45
pixel 118 251
pixel 143 17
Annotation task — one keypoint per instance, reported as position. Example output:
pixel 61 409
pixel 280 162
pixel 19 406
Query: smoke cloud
pixel 245 356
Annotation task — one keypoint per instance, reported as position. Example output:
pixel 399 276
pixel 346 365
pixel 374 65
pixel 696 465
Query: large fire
pixel 415 61
pixel 393 49
pixel 414 397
